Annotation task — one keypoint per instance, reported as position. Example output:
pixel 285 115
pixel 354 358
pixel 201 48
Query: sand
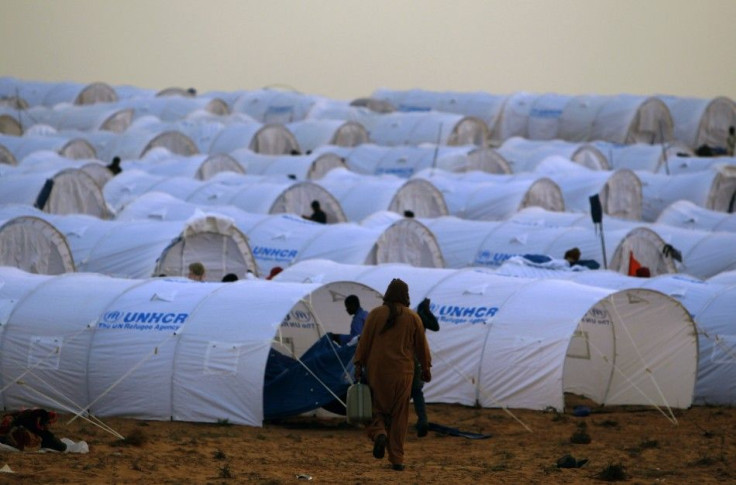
pixel 640 442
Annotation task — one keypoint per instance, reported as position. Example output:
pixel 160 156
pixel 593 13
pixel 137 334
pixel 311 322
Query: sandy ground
pixel 640 442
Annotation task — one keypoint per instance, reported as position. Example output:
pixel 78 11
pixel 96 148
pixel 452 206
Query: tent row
pixel 169 348
pixel 343 195
pixel 159 235
pixel 176 349
pixel 522 343
pixel 623 118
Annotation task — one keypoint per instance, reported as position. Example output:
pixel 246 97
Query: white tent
pixel 269 139
pixel 33 245
pixel 521 343
pixel 523 155
pixel 70 147
pixel 497 197
pixel 664 158
pixel 280 240
pixel 687 215
pixel 173 108
pixel 302 167
pixel 164 349
pixel 619 191
pixel 485 106
pixel 141 249
pixel 713 189
pixel 53 93
pixel 622 118
pixel 710 303
pixel 136 142
pixel 427 127
pixel 69 191
pixel 704 253
pixel 701 121
pixel 160 161
pixel 258 194
pixel 405 161
pixel 103 116
pixel 274 106
pixel 361 195
pixel 314 133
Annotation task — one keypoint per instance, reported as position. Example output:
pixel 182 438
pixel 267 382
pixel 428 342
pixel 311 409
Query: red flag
pixel 633 264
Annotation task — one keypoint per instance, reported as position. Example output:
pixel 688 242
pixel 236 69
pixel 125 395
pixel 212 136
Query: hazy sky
pixel 345 49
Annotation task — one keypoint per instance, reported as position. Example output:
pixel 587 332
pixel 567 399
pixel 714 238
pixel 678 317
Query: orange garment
pixel 388 359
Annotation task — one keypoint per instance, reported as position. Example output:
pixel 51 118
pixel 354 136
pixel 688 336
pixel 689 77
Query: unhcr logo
pixel 158 321
pixel 464 314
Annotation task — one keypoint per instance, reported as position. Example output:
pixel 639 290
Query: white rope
pixel 309 306
pixel 61 405
pixel 314 375
pixel 123 377
pixel 483 391
pixel 642 362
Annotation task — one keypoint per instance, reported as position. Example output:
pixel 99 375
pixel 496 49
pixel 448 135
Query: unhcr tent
pixel 69 191
pixel 258 194
pixel 174 108
pixel 405 161
pixel 274 105
pixel 629 243
pixel 314 133
pixel 622 118
pixel 687 215
pixel 710 304
pixel 301 167
pixel 713 189
pixel 160 161
pixel 665 158
pixel 269 139
pixel 33 245
pixel 497 349
pixel 398 128
pixel 361 195
pixel 104 116
pixel 169 349
pixel 135 143
pixel 701 121
pixel 52 93
pixel 70 147
pixel 524 155
pixel 619 191
pixel 282 239
pixel 141 249
pixel 484 106
pixel 496 197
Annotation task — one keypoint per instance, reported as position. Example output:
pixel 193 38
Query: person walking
pixel 429 322
pixel 392 336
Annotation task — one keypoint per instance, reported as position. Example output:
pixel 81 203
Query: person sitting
pixel 572 256
pixel 114 167
pixel 318 215
pixel 196 271
pixel 274 271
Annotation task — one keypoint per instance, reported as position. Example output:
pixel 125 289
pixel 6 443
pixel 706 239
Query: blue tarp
pixel 290 389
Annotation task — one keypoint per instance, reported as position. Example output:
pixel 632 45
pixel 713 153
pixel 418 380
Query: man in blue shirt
pixel 352 306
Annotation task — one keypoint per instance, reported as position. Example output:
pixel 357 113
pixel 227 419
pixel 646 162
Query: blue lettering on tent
pixel 274 254
pixel 487 258
pixel 545 113
pixel 460 314
pixel 142 320
pixel 398 171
